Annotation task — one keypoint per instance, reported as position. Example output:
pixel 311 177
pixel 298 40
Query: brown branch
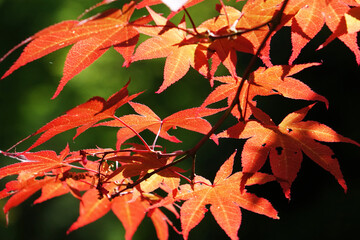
pixel 191 21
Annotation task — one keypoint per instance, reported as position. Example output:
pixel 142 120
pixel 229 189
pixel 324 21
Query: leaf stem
pixel 226 14
pixel 157 136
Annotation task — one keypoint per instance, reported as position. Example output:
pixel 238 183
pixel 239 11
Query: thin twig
pixel 191 20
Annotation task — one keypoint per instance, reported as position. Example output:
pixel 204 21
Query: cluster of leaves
pixel 138 179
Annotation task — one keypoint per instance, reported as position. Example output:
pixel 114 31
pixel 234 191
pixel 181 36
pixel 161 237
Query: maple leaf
pixel 91 209
pixel 35 163
pixel 284 145
pixel 243 31
pixel 310 20
pixel 91 38
pixel 258 13
pixel 65 25
pixel 225 198
pixel 223 49
pixel 73 183
pixel 264 82
pixel 190 119
pixel 84 116
pixel 167 42
pixel 352 20
pixel 21 189
pixel 228 89
pixel 129 211
pixel 142 163
pixel 349 24
pixel 129 206
pixel 254 14
pixel 277 79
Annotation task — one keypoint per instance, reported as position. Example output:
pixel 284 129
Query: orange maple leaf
pixel 168 41
pixel 223 49
pixel 228 89
pixel 310 20
pixel 225 198
pixel 278 79
pixel 284 145
pixel 244 31
pixel 264 82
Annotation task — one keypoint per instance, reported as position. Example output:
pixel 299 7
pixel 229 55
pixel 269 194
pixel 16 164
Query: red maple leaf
pixel 84 116
pixel 36 163
pixel 228 89
pixel 190 119
pixel 311 19
pixel 284 145
pixel 69 182
pixel 91 38
pixel 264 82
pixel 21 189
pixel 91 209
pixel 168 41
pixel 129 211
pixel 225 198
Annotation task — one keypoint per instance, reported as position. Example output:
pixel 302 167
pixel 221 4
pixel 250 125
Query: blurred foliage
pixel 318 208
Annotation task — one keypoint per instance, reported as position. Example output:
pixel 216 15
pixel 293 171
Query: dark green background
pixel 318 208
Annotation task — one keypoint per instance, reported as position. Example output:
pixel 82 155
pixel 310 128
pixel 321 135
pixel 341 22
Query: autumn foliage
pixel 135 180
